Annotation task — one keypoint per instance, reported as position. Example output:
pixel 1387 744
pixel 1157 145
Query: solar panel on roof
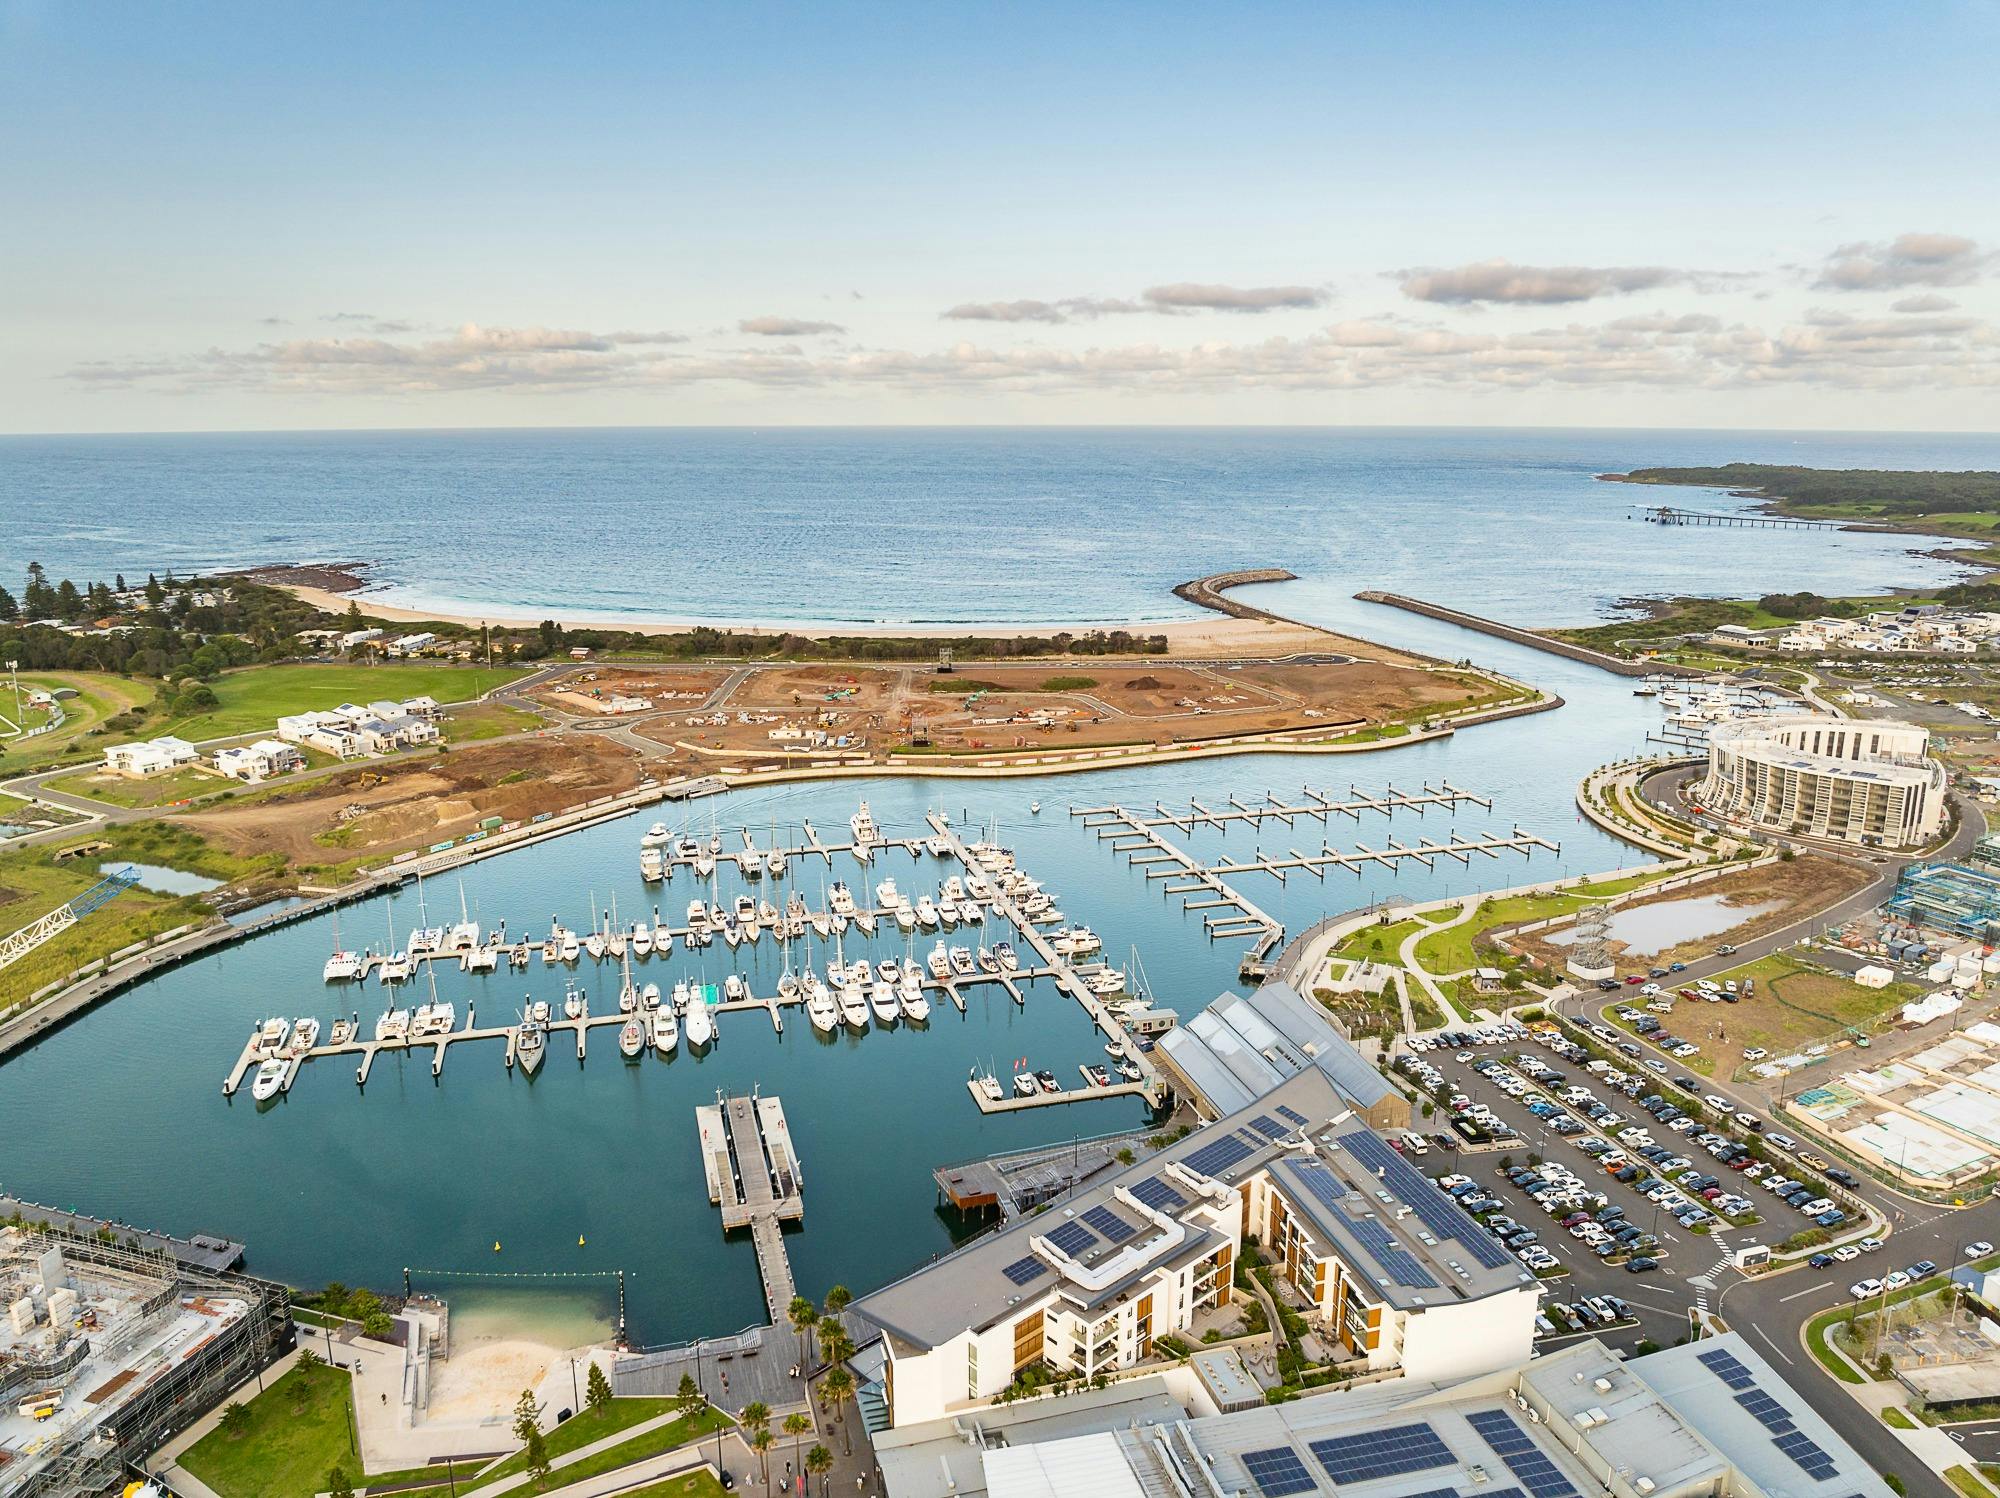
pixel 1023 1270
pixel 1540 1476
pixel 1768 1411
pixel 1072 1238
pixel 1268 1126
pixel 1158 1195
pixel 1438 1212
pixel 1114 1228
pixel 1320 1181
pixel 1726 1366
pixel 1402 1266
pixel 1220 1155
pixel 1277 1471
pixel 1382 1453
pixel 1808 1453
pixel 1293 1114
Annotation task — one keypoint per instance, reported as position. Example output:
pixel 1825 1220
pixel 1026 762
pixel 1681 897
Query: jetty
pixel 1672 515
pixel 754 1177
pixel 1617 665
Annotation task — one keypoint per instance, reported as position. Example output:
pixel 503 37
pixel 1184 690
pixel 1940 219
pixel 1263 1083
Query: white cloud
pixel 1907 260
pixel 1501 281
pixel 1923 301
pixel 1194 296
pixel 786 327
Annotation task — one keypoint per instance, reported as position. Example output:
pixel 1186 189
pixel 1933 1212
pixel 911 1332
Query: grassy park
pixel 99 698
pixel 296 1432
pixel 253 699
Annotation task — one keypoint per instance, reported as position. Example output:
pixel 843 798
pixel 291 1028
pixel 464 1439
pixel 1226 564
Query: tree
pixel 9 609
pixel 761 1440
pixel 538 1455
pixel 235 1420
pixel 597 1389
pixel 527 1417
pixel 338 1485
pixel 688 1398
pixel 155 594
pixel 839 1387
pixel 756 1415
pixel 834 1343
pixel 796 1425
pixel 804 1319
pixel 819 1462
pixel 838 1299
pixel 310 1361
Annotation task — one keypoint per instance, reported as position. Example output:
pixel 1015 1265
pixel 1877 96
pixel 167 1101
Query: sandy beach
pixel 1210 637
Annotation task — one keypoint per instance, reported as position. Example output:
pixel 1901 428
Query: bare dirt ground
pixel 386 808
pixel 587 691
pixel 1789 890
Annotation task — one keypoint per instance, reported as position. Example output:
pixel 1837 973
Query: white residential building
pixel 259 761
pixel 1859 780
pixel 152 757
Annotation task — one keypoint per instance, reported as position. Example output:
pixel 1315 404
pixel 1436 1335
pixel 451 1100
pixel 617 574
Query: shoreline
pixel 1219 631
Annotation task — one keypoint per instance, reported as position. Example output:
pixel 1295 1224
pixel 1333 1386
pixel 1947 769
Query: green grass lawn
pixel 1378 943
pixel 582 1429
pixel 1453 951
pixel 298 1432
pixel 1794 1005
pixel 489 720
pixel 155 790
pixel 100 696
pixel 647 1443
pixel 701 1484
pixel 253 699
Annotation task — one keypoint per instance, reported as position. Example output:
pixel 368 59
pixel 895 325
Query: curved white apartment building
pixel 1857 780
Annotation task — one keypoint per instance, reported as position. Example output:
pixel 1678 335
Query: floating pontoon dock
pixel 754 1176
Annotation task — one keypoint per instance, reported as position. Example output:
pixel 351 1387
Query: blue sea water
pixel 120 1112
pixel 937 525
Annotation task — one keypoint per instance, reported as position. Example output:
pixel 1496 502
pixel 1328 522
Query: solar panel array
pixel 1277 1471
pixel 1726 1366
pixel 1439 1213
pixel 1540 1476
pixel 1158 1195
pixel 1072 1238
pixel 1268 1126
pixel 1320 1181
pixel 1114 1228
pixel 1808 1453
pixel 1772 1415
pixel 1401 1264
pixel 1023 1270
pixel 1382 1453
pixel 1293 1114
pixel 1220 1155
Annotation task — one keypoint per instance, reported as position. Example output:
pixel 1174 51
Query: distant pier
pixel 1671 515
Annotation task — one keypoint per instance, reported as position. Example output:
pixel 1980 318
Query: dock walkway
pixel 754 1177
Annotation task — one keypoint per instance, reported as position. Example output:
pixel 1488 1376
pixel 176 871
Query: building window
pixel 972 1370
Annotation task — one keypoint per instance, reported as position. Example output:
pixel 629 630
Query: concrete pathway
pixel 1453 1020
pixel 698 1454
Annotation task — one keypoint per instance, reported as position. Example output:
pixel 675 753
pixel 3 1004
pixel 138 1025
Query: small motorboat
pixel 1025 1084
pixel 1047 1080
pixel 631 1039
pixel 270 1078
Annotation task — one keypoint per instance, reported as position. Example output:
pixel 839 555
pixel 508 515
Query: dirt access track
pixel 387 807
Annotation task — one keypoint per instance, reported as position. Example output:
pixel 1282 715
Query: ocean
pixel 940 526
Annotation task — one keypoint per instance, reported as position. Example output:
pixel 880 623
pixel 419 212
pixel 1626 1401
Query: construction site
pixel 108 1348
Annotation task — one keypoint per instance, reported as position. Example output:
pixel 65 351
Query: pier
pixel 1616 665
pixel 1671 515
pixel 753 1175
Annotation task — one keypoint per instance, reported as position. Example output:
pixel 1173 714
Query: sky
pixel 221 217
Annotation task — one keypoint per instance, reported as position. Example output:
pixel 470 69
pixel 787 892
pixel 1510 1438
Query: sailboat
pixel 341 966
pixel 628 995
pixel 465 935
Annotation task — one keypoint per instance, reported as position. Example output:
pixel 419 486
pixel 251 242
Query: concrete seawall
pixel 1614 664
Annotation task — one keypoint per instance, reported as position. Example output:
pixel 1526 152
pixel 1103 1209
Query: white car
pixel 1847 1253
pixel 1869 1245
pixel 1862 1289
pixel 1754 1053
pixel 1978 1250
pixel 1896 1279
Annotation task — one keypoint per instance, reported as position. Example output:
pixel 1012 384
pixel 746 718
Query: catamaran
pixel 341 966
pixel 393 1028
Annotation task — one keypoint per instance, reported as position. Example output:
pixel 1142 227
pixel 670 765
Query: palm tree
pixel 838 1299
pixel 820 1461
pixel 839 1387
pixel 834 1344
pixel 760 1442
pixel 796 1425
pixel 756 1414
pixel 804 1319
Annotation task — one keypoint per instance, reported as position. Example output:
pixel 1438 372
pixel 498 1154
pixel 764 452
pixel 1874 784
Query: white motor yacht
pixel 572 948
pixel 749 864
pixel 906 916
pixel 666 1030
pixel 652 866
pixel 866 834
pixel 774 864
pixel 305 1035
pixel 699 1023
pixel 927 915
pixel 539 1011
pixel 1025 1084
pixel 530 1045
pixel 979 887
pixel 820 1008
pixel 961 961
pixel 642 941
pixel 989 1087
pixel 939 961
pixel 393 1028
pixel 947 913
pixel 853 1006
pixel 910 994
pixel 649 996
pixel 697 916
pixel 271 1036
pixel 1004 950
pixel 270 1077
pixel 840 900
pixel 573 1002
pixel 1106 981
pixel 889 970
pixel 882 999
pixel 687 849
pixel 656 836
pixel 734 989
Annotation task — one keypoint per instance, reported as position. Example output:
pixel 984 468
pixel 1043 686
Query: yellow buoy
pixel 579 1240
pixel 496 1245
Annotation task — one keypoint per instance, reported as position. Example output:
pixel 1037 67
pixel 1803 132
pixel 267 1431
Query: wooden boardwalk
pixel 754 1177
